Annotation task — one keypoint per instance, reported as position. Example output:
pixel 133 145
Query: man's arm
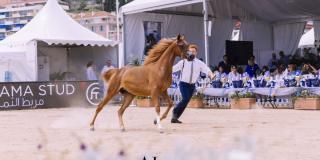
pixel 205 69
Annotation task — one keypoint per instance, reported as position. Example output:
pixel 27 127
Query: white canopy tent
pixel 53 42
pixel 307 39
pixel 272 25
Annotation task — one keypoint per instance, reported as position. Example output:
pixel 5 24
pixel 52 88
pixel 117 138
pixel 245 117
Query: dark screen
pixel 238 52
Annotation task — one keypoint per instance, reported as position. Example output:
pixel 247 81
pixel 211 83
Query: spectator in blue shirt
pixel 252 68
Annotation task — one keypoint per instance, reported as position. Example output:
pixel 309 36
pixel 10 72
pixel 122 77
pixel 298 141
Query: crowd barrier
pixel 276 97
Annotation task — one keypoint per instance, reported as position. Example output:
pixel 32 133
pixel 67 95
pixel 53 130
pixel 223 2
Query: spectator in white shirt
pixel 107 67
pixel 190 71
pixel 234 75
pixel 91 73
pixel 219 74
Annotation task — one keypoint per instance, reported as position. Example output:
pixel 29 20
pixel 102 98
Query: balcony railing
pixel 23 21
pixel 15 15
pixel 8 22
pixel 2 30
pixel 15 29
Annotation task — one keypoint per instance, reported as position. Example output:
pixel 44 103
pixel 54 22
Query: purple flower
pixel 121 153
pixel 83 147
pixel 39 146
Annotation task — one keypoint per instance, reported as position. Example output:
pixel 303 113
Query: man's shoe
pixel 175 121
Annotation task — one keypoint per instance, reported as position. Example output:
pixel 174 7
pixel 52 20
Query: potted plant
pixel 307 101
pixel 196 101
pixel 242 100
pixel 143 101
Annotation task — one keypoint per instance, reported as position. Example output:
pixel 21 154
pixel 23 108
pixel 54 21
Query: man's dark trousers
pixel 186 90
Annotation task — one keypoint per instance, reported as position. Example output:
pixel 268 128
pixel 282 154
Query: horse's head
pixel 183 47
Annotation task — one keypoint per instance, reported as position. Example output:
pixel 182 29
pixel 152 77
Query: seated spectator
pixel 308 69
pixel 219 74
pixel 273 62
pixel 233 75
pixel 225 64
pixel 279 72
pixel 265 71
pixel 292 71
pixel 252 68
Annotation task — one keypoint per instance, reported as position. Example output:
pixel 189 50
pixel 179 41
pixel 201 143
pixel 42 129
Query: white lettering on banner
pixel 4 91
pixel 42 92
pixel 16 91
pixel 70 86
pixel 34 95
pixel 28 91
pixel 57 90
pixel 50 88
pixel 15 102
pixel 92 94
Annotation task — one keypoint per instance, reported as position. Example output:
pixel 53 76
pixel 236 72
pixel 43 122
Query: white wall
pixel 191 27
pixel 57 58
pixel 16 66
pixel 78 58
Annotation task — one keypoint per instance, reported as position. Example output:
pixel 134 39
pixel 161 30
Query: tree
pixel 110 5
pixel 83 5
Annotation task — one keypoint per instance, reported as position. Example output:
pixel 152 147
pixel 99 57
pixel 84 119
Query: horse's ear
pixel 179 37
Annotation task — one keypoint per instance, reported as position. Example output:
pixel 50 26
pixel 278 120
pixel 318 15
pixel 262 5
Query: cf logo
pixel 92 94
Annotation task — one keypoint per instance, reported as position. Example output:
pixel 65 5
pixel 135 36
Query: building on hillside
pixel 100 22
pixel 15 14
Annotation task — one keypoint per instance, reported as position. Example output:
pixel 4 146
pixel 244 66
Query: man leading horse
pixel 153 79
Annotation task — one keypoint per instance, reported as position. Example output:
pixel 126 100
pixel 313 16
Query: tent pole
pixel 35 43
pixel 205 25
pixel 118 30
pixel 120 52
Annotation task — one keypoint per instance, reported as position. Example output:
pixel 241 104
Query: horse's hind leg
pixel 111 93
pixel 127 99
pixel 170 104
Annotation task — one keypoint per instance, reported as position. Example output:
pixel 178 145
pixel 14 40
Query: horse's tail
pixel 107 75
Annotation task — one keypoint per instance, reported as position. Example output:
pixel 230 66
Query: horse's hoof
pixel 161 131
pixel 92 129
pixel 155 122
pixel 123 130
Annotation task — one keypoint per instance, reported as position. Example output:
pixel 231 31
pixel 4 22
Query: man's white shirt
pixel 106 68
pixel 186 67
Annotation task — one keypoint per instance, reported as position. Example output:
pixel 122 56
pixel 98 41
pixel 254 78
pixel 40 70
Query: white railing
pixel 224 101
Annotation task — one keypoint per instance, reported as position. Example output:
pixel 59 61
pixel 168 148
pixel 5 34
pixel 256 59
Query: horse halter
pixel 184 49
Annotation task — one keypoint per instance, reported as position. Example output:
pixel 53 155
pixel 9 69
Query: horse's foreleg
pixel 111 93
pixel 126 102
pixel 170 104
pixel 155 100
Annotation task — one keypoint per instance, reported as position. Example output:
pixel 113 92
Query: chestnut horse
pixel 153 79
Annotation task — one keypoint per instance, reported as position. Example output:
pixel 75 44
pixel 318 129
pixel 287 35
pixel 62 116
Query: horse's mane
pixel 157 50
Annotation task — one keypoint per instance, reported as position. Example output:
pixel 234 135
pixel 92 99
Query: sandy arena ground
pixel 272 134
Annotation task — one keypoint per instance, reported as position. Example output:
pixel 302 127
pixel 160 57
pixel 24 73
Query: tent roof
pixel 54 26
pixel 267 10
pixel 5 49
pixel 142 5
